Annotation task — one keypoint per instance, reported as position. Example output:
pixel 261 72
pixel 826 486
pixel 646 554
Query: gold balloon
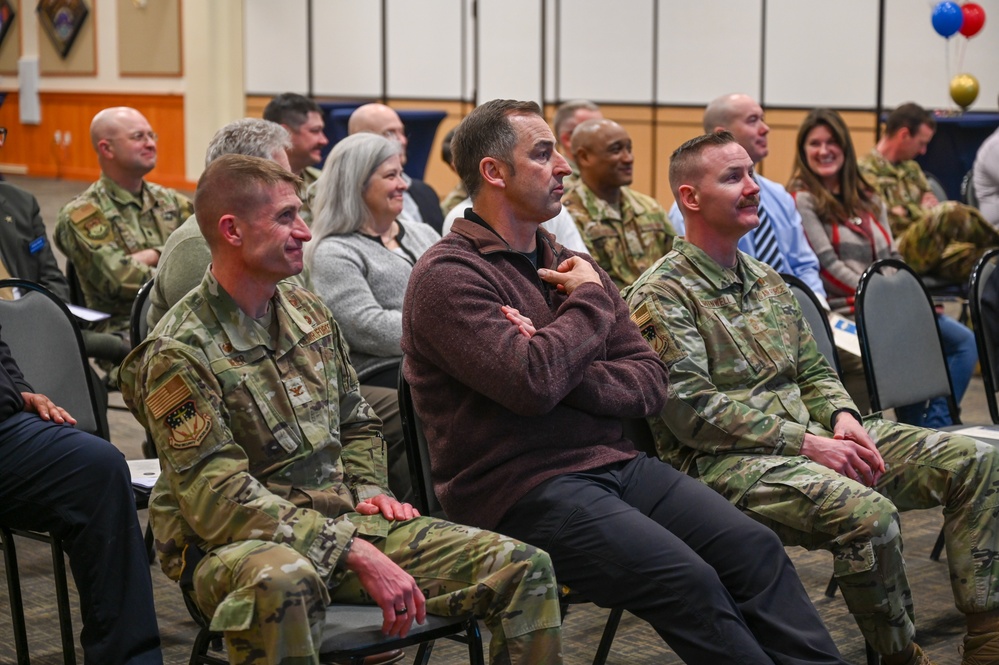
pixel 964 90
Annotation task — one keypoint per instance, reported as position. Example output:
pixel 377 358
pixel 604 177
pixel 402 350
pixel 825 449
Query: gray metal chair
pixel 986 336
pixel 968 195
pixel 44 338
pixel 138 329
pixel 813 312
pixel 426 501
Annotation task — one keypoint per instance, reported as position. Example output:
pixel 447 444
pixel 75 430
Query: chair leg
pixel 62 602
pixel 610 629
pixel 474 642
pixel 831 588
pixel 16 602
pixel 423 653
pixel 938 547
pixel 150 545
pixel 872 655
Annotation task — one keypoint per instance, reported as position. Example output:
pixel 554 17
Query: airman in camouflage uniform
pixel 626 232
pixel 274 465
pixel 944 239
pixel 100 229
pixel 309 176
pixel 750 387
pixel 113 232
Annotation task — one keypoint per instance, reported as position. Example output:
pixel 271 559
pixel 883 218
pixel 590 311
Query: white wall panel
pixel 509 50
pixel 707 49
pixel 424 48
pixel 919 63
pixel 274 46
pixel 821 53
pixel 346 48
pixel 606 50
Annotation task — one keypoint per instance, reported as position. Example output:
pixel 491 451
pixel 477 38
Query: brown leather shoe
pixel 981 649
pixel 918 657
pixel 385 658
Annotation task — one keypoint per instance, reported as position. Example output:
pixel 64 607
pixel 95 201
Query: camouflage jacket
pixel 100 228
pixel 261 431
pixel 900 186
pixel 624 244
pixel 745 375
pixel 309 177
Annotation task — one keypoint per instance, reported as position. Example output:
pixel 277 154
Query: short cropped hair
pixel 339 207
pixel 487 132
pixel 446 148
pixel 685 163
pixel 290 109
pixel 566 111
pixel 234 185
pixel 249 136
pixel 910 116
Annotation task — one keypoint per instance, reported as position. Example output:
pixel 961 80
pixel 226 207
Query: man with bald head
pixel 568 116
pixel 780 240
pixel 113 233
pixel 626 232
pixel 420 202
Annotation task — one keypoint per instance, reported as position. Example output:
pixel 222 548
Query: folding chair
pixel 45 340
pixel 426 500
pixel 138 329
pixel 900 344
pixel 986 335
pixel 813 312
pixel 352 632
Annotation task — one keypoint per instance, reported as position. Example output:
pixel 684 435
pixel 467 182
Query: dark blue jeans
pixel 76 486
pixel 639 535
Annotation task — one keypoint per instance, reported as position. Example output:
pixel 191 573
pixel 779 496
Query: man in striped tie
pixel 779 241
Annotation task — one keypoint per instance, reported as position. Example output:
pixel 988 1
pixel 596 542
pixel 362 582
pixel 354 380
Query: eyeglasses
pixel 3 136
pixel 396 135
pixel 138 137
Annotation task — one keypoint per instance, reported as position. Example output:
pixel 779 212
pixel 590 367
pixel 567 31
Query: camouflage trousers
pixel 271 604
pixel 809 505
pixel 947 242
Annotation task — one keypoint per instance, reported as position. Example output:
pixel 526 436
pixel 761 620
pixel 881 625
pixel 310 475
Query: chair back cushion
pixel 817 321
pixel 46 344
pixel 899 339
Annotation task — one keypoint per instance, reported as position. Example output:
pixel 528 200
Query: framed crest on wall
pixel 7 15
pixel 62 20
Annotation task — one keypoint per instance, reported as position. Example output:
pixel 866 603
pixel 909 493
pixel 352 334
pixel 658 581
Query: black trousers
pixel 639 535
pixel 76 486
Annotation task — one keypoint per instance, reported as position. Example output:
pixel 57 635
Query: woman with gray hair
pixel 361 257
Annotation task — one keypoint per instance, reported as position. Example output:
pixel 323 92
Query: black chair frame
pixel 983 336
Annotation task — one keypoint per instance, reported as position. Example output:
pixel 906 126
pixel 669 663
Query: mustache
pixel 749 201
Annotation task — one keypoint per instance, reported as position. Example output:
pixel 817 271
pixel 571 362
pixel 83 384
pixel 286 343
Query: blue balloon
pixel 947 18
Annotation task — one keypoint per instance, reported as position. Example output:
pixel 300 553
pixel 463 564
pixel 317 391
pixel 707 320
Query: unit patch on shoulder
pixel 188 426
pixel 83 212
pixel 167 396
pixel 662 341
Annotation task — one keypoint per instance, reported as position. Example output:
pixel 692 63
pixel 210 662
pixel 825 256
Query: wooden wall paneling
pixel 606 50
pixel 674 125
pixel 837 69
pixel 698 63
pixel 509 65
pixel 82 57
pixel 276 54
pixel 422 64
pixel 33 146
pixel 784 124
pixel 346 48
pixel 919 63
pixel 10 50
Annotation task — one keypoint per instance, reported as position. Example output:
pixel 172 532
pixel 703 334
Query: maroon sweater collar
pixel 486 240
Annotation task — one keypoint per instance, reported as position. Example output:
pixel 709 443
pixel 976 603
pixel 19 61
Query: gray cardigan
pixel 363 284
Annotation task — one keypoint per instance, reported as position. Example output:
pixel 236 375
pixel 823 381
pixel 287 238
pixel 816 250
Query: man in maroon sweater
pixel 522 377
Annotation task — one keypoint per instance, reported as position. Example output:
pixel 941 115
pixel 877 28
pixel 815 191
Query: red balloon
pixel 974 19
